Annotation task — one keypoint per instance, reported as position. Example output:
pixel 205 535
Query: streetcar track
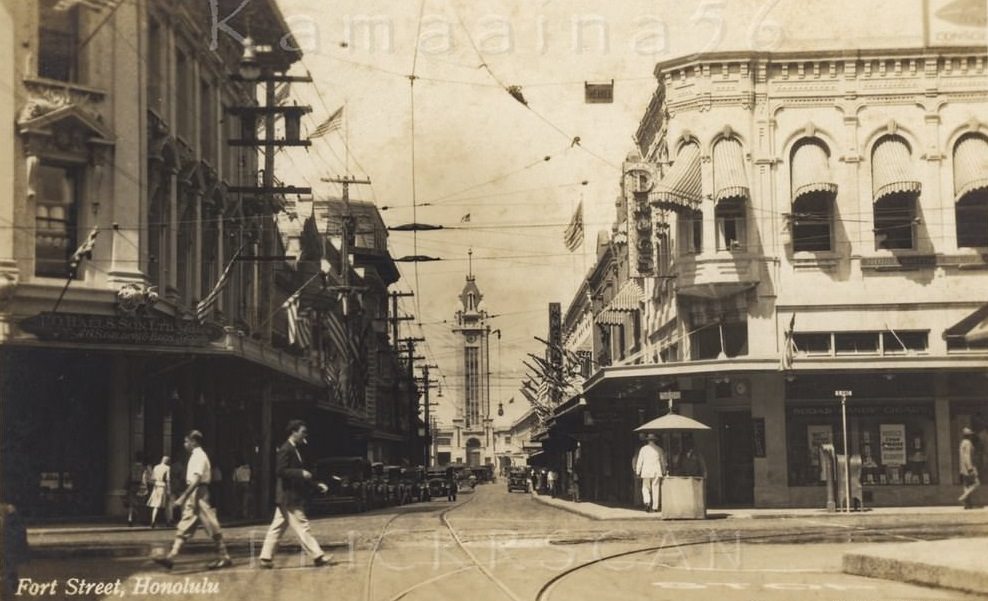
pixel 547 588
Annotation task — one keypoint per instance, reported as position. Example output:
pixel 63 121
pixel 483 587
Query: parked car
pixel 395 486
pixel 518 479
pixel 436 482
pixel 484 474
pixel 347 478
pixel 416 483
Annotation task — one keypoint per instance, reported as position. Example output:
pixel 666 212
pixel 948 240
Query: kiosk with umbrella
pixel 683 497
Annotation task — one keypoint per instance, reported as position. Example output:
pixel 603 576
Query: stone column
pixel 768 394
pixel 945 438
pixel 8 104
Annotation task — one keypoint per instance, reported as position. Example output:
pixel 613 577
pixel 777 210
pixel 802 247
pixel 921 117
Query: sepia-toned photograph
pixel 499 300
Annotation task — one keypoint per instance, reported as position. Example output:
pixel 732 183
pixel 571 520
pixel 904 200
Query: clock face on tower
pixel 471 338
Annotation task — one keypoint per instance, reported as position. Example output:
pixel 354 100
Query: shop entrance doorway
pixel 737 462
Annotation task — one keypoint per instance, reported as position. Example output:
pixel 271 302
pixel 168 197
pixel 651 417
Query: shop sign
pixel 855 410
pixel 817 436
pixel 758 436
pixel 120 329
pixel 893 441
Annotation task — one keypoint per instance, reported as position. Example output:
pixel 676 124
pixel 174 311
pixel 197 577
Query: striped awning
pixel 680 188
pixel 892 170
pixel 811 171
pixel 730 178
pixel 629 298
pixel 970 166
pixel 972 329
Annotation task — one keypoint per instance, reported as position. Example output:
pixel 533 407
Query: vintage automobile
pixel 436 482
pixel 484 474
pixel 518 479
pixel 378 485
pixel 416 483
pixel 348 480
pixel 395 492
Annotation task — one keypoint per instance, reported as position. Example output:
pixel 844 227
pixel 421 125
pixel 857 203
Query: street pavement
pixel 500 546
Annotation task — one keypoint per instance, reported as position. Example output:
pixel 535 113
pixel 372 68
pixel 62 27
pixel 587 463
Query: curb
pixel 574 508
pixel 145 549
pixel 887 568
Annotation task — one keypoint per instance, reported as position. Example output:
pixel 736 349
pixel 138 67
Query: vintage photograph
pixel 499 300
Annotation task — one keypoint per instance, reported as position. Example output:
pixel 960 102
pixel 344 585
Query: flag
pixel 789 352
pixel 465 218
pixel 282 93
pixel 97 5
pixel 299 328
pixel 205 307
pixel 333 123
pixel 85 251
pixel 339 337
pixel 574 232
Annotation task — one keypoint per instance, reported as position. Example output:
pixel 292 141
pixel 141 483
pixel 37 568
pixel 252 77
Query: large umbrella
pixel 671 421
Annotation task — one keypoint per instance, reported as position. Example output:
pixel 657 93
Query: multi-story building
pixel 800 224
pixel 121 117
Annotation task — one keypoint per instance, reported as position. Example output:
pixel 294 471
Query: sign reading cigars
pixel 111 329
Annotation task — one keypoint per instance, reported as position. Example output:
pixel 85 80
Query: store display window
pixel 896 441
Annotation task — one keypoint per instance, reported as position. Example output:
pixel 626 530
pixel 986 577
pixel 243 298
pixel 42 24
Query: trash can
pixel 683 498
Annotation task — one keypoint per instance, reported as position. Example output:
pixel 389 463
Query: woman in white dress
pixel 160 497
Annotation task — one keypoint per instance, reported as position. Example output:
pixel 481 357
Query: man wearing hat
pixel 969 473
pixel 651 467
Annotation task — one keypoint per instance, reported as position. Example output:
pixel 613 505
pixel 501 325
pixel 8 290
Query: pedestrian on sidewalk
pixel 451 487
pixel 194 502
pixel 651 466
pixel 137 487
pixel 160 490
pixel 969 473
pixel 552 478
pixel 294 484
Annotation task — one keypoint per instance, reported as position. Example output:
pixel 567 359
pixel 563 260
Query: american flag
pixel 85 251
pixel 205 307
pixel 574 232
pixel 789 352
pixel 299 328
pixel 331 124
pixel 338 335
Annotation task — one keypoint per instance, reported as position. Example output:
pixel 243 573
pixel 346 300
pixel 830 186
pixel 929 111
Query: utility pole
pixel 426 385
pixel 395 319
pixel 410 349
pixel 349 224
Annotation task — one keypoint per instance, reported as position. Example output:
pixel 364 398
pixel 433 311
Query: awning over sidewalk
pixel 811 171
pixel 629 298
pixel 892 169
pixel 973 328
pixel 680 188
pixel 970 166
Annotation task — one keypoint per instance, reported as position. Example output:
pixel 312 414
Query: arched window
pixel 730 194
pixel 971 190
pixel 813 193
pixel 895 189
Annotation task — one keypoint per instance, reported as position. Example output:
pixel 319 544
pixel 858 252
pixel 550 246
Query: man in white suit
pixel 651 467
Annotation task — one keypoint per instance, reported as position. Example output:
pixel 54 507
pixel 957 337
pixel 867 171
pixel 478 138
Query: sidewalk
pixel 595 511
pixel 958 564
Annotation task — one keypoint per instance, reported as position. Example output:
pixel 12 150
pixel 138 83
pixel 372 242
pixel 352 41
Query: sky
pixel 514 169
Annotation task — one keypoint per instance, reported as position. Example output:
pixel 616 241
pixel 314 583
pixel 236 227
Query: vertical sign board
pixel 956 22
pixel 556 341
pixel 758 436
pixel 893 444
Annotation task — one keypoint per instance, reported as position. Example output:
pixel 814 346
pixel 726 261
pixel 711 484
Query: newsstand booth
pixel 683 496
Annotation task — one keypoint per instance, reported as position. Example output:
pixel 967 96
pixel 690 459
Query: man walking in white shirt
pixel 651 467
pixel 194 502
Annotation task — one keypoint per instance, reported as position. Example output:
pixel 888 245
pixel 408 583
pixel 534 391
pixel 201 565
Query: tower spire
pixel 470 263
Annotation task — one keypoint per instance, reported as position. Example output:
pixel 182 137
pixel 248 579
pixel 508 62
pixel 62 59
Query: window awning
pixel 973 328
pixel 629 298
pixel 892 171
pixel 811 171
pixel 730 177
pixel 680 188
pixel 970 166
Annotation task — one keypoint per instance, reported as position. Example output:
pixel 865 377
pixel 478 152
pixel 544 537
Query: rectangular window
pixel 896 442
pixel 690 228
pixel 811 223
pixel 730 224
pixel 184 97
pixel 58 41
pixel 207 122
pixel 812 343
pixel 56 208
pixel 856 343
pixel 972 220
pixel 894 222
pixel 155 70
pixel 904 341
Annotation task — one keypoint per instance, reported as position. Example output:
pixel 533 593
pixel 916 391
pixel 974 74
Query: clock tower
pixel 473 438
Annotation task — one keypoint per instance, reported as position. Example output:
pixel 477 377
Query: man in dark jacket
pixel 294 483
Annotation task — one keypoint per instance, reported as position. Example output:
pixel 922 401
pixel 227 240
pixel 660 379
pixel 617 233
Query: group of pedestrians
pixel 294 483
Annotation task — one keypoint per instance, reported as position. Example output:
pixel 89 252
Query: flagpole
pixel 282 305
pixel 65 289
pixel 346 139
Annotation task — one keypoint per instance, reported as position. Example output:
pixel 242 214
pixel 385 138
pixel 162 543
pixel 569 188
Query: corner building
pixel 837 200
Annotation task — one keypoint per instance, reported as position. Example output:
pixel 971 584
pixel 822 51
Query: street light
pixel 250 67
pixel 843 394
